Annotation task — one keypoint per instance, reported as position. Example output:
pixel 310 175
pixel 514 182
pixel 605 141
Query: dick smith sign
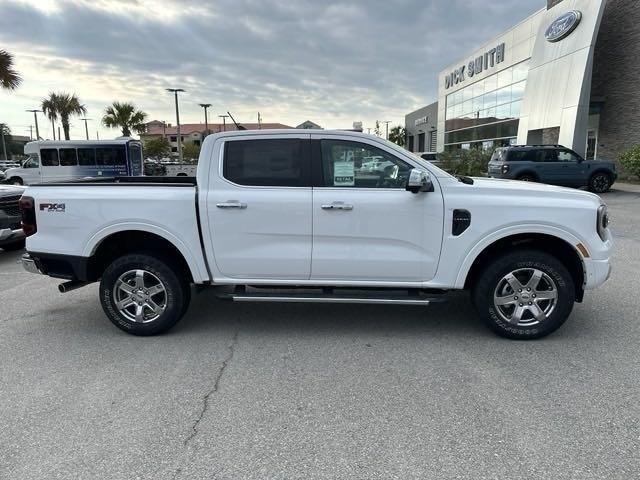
pixel 489 59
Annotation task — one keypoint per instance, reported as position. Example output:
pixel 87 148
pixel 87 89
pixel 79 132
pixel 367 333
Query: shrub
pixel 472 163
pixel 630 160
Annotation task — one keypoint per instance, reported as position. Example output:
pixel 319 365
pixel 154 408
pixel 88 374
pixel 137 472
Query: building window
pixel 471 113
pixel 173 138
pixel 410 143
pixel 421 137
pixel 196 143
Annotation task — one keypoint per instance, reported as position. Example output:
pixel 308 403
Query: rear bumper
pixel 67 267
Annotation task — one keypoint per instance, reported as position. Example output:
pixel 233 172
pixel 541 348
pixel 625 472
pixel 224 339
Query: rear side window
pixel 267 163
pixel 111 156
pixel 498 155
pixel 522 156
pixel 49 157
pixel 87 156
pixel 68 157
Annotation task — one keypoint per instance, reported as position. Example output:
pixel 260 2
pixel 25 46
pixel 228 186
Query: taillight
pixel 28 213
pixel 505 168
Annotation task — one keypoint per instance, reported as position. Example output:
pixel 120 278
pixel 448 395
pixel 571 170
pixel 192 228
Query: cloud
pixel 332 62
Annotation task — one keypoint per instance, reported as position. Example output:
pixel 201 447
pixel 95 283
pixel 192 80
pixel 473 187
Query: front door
pixel 30 172
pixel 569 169
pixel 259 208
pixel 366 226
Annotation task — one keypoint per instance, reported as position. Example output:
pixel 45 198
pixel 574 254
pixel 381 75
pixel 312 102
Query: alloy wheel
pixel 140 296
pixel 525 297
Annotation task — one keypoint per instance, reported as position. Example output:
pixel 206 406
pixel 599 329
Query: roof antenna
pixel 238 126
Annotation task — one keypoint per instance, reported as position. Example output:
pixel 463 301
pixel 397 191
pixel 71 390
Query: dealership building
pixel 568 75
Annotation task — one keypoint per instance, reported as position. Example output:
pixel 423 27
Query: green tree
pixel 9 78
pixel 630 160
pixel 157 147
pixel 62 105
pixel 398 135
pixel 125 116
pixel 190 152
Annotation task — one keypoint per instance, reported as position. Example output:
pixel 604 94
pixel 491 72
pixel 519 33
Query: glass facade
pixel 486 113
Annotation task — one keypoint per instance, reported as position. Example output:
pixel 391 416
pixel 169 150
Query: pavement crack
pixel 216 384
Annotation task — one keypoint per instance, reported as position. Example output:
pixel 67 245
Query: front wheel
pixel 600 183
pixel 524 294
pixel 17 181
pixel 143 295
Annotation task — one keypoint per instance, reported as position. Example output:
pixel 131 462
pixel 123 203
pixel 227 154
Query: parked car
pixel 282 215
pixel 11 234
pixel 552 164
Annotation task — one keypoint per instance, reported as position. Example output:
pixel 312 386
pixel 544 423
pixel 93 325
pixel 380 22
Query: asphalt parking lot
pixel 293 391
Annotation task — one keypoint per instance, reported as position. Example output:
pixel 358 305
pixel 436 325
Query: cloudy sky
pixel 330 61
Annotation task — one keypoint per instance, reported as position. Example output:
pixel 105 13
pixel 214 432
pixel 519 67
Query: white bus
pixel 59 161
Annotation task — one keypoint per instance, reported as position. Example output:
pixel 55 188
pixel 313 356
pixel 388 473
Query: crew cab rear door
pixel 366 226
pixel 259 207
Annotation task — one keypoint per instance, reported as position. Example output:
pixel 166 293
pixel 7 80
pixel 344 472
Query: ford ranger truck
pixel 292 216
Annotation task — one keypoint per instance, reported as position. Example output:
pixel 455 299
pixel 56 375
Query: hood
pixel 10 190
pixel 533 188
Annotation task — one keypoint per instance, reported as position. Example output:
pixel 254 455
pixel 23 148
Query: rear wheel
pixel 524 295
pixel 144 295
pixel 527 177
pixel 600 182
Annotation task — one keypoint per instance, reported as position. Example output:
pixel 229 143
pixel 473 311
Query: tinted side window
pixel 521 156
pixel 68 157
pixel 567 156
pixel 87 156
pixel 267 163
pixel 49 157
pixel 359 165
pixel 111 156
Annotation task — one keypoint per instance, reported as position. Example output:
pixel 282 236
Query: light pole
pixel 387 122
pixel 224 122
pixel 35 117
pixel 206 120
pixel 179 137
pixel 86 128
pixel 4 147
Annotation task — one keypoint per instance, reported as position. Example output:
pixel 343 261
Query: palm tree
pixel 50 109
pixel 62 105
pixel 9 78
pixel 125 116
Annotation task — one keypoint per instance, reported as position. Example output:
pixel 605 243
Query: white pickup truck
pixel 292 216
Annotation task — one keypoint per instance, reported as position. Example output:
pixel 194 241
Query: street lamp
pixel 35 117
pixel 175 93
pixel 224 122
pixel 206 121
pixel 86 128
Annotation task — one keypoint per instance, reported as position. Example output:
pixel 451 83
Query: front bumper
pixel 597 272
pixel 8 235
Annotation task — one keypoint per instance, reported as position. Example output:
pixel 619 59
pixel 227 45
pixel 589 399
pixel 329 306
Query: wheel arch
pixel 563 247
pixel 528 172
pixel 601 170
pixel 115 241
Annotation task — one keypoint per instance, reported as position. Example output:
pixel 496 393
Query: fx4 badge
pixel 52 207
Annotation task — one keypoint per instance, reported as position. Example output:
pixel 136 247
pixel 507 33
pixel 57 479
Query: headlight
pixel 602 222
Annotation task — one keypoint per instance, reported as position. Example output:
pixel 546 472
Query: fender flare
pixel 505 232
pixel 199 275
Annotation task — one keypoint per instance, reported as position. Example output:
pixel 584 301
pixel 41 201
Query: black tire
pixel 521 262
pixel 16 181
pixel 527 177
pixel 600 182
pixel 174 300
pixel 12 247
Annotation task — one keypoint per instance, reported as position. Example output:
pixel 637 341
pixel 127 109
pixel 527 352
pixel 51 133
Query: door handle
pixel 337 206
pixel 231 204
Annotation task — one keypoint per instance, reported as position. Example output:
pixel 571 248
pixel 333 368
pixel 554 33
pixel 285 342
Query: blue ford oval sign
pixel 563 26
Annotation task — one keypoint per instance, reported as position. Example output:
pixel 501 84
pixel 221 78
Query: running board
pixel 331 298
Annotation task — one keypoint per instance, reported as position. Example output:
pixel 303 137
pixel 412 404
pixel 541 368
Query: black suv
pixel 552 164
pixel 11 234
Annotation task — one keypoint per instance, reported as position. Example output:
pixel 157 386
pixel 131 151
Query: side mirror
pixel 419 181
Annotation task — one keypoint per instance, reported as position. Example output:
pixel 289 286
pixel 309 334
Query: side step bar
pixel 333 298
